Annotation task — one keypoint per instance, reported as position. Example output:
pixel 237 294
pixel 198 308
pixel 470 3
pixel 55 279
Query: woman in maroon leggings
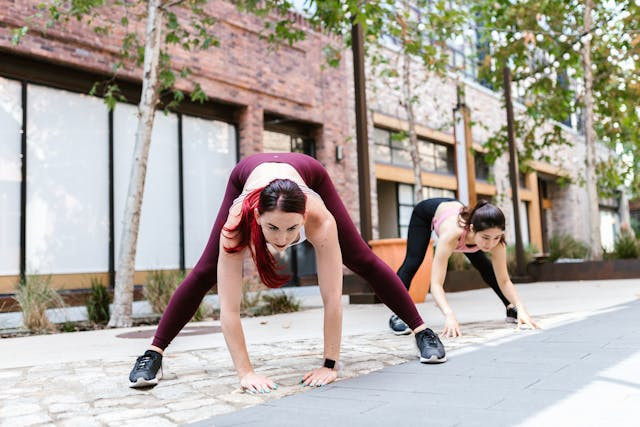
pixel 280 200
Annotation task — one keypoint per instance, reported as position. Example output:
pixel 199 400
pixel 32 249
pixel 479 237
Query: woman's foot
pixel 147 370
pixel 398 326
pixel 430 346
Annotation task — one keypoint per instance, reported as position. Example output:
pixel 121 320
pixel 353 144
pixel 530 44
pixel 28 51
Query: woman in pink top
pixel 472 231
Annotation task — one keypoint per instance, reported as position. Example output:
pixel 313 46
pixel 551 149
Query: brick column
pixel 250 127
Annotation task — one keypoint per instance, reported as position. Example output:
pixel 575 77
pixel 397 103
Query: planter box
pixel 393 251
pixel 586 270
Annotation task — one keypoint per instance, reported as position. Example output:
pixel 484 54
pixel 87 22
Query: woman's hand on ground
pixel 254 383
pixel 525 320
pixel 451 327
pixel 319 377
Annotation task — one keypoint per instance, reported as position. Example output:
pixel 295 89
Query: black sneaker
pixel 430 346
pixel 512 315
pixel 147 371
pixel 398 326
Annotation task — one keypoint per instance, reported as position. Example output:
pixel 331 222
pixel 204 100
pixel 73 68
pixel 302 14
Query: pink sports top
pixel 461 246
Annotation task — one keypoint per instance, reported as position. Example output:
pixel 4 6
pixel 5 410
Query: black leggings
pixel 418 240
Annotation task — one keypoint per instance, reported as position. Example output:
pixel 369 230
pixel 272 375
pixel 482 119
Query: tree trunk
pixel 408 105
pixel 123 293
pixel 413 136
pixel 590 141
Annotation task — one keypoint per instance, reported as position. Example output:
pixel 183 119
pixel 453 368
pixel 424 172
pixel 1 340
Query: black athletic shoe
pixel 512 315
pixel 430 346
pixel 147 371
pixel 398 326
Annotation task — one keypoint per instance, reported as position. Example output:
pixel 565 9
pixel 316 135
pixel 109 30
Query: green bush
pixel 529 252
pixel 35 296
pixel 160 286
pixel 457 262
pixel 279 302
pixel 98 302
pixel 566 246
pixel 626 247
pixel 204 310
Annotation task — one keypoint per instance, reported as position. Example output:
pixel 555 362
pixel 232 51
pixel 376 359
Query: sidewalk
pixel 495 375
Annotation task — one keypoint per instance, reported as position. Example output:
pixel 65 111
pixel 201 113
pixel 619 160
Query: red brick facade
pixel 245 71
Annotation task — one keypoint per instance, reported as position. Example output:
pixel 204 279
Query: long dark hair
pixel 483 216
pixel 279 194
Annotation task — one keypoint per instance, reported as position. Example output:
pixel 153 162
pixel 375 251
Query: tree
pixel 407 48
pixel 164 31
pixel 566 65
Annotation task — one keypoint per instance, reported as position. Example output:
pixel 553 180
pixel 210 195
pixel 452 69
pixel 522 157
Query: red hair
pixel 282 194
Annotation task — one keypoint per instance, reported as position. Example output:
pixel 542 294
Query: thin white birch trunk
pixel 408 105
pixel 590 141
pixel 123 294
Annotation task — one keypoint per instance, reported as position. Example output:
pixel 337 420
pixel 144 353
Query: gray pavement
pixel 79 379
pixel 584 373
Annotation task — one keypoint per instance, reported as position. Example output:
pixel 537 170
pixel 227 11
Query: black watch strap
pixel 329 363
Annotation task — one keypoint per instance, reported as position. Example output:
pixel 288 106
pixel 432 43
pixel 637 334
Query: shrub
pixel 159 287
pixel 457 262
pixel 566 246
pixel 98 302
pixel 204 310
pixel 35 296
pixel 251 296
pixel 626 247
pixel 529 252
pixel 279 302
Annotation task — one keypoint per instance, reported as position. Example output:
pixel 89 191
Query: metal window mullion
pixel 181 192
pixel 112 233
pixel 23 184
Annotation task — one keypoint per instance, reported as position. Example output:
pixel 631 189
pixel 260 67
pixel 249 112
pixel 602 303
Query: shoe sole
pixel 405 332
pixel 141 382
pixel 433 360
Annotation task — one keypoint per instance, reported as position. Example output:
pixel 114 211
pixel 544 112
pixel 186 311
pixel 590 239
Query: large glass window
pixel 209 155
pixel 276 142
pixel 524 222
pixel 393 147
pixel 483 171
pixel 10 175
pixel 67 182
pixel 159 234
pixel 431 192
pixel 436 157
pixel 405 207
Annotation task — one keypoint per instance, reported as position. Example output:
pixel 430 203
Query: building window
pixel 483 171
pixel 68 198
pixel 432 192
pixel 209 155
pixel 405 207
pixel 67 217
pixel 10 175
pixel 524 222
pixel 276 142
pixel 393 148
pixel 436 157
pixel 159 233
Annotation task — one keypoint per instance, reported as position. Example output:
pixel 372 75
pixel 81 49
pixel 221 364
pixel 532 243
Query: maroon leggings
pixel 356 254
